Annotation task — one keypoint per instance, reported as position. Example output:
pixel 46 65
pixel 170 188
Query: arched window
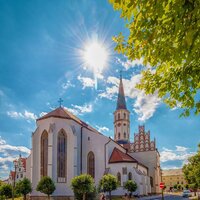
pixel 118 135
pixel 61 155
pixel 129 176
pixel 119 178
pixel 44 154
pixel 124 115
pixel 118 115
pixel 124 134
pixel 91 164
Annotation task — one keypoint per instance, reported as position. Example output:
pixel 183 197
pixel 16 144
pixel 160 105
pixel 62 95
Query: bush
pixel 46 186
pixel 108 183
pixel 23 187
pixel 131 186
pixel 82 185
pixel 6 191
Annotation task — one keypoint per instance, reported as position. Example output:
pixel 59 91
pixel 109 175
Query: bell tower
pixel 121 117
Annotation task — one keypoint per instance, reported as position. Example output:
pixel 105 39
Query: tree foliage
pixel 46 186
pixel 131 186
pixel 192 171
pixel 6 190
pixel 23 187
pixel 108 183
pixel 166 35
pixel 82 185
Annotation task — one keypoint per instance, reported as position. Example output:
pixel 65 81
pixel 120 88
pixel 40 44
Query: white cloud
pixel 67 85
pixel 86 81
pixel 42 114
pixel 180 148
pixel 128 64
pixel 179 154
pixel 8 153
pixel 19 115
pixel 102 128
pixel 80 110
pixel 144 105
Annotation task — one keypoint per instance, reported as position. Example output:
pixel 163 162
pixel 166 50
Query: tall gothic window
pixel 129 176
pixel 61 156
pixel 124 115
pixel 124 134
pixel 91 164
pixel 118 135
pixel 119 178
pixel 44 154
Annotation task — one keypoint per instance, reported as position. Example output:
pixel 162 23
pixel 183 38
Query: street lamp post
pixel 13 185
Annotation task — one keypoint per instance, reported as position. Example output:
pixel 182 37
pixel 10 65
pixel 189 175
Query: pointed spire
pixel 121 102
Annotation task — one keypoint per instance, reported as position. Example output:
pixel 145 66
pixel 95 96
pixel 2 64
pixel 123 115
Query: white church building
pixel 63 146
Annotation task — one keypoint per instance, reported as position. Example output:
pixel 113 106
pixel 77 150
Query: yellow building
pixel 173 177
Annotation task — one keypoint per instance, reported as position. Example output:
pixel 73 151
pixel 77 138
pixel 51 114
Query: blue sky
pixel 40 45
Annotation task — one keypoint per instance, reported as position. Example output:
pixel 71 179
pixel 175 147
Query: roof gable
pixel 119 156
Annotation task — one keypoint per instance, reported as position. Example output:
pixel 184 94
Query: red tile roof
pixel 119 156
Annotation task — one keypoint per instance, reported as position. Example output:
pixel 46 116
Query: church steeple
pixel 121 117
pixel 121 102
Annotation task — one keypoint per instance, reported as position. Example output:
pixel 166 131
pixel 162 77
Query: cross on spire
pixel 60 102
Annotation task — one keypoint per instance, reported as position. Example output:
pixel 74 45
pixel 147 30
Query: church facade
pixel 63 146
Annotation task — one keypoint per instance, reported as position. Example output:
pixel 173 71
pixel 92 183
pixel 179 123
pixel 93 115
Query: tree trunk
pixel 110 195
pixel 83 196
pixel 24 197
pixel 48 197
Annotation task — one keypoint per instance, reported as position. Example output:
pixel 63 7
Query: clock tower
pixel 121 118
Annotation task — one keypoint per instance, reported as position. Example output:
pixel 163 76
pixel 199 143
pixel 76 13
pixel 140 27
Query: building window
pixel 44 154
pixel 91 164
pixel 17 176
pixel 118 135
pixel 124 170
pixel 129 176
pixel 118 115
pixel 124 115
pixel 21 175
pixel 61 156
pixel 151 181
pixel 19 169
pixel 124 134
pixel 119 178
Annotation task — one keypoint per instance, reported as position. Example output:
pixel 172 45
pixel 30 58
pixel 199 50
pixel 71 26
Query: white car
pixel 186 193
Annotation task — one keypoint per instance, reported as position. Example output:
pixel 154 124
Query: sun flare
pixel 95 56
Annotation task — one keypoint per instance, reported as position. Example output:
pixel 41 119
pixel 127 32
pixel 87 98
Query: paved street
pixel 166 197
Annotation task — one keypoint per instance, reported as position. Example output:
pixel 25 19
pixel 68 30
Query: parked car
pixel 186 193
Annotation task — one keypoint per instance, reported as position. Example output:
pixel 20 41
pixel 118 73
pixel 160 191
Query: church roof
pixel 119 156
pixel 121 102
pixel 63 113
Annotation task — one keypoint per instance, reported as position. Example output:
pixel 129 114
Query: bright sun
pixel 95 56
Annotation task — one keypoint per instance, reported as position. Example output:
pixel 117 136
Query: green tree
pixel 82 185
pixel 179 187
pixel 46 186
pixel 175 186
pixel 6 190
pixel 23 187
pixel 192 171
pixel 131 186
pixel 108 183
pixel 166 35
